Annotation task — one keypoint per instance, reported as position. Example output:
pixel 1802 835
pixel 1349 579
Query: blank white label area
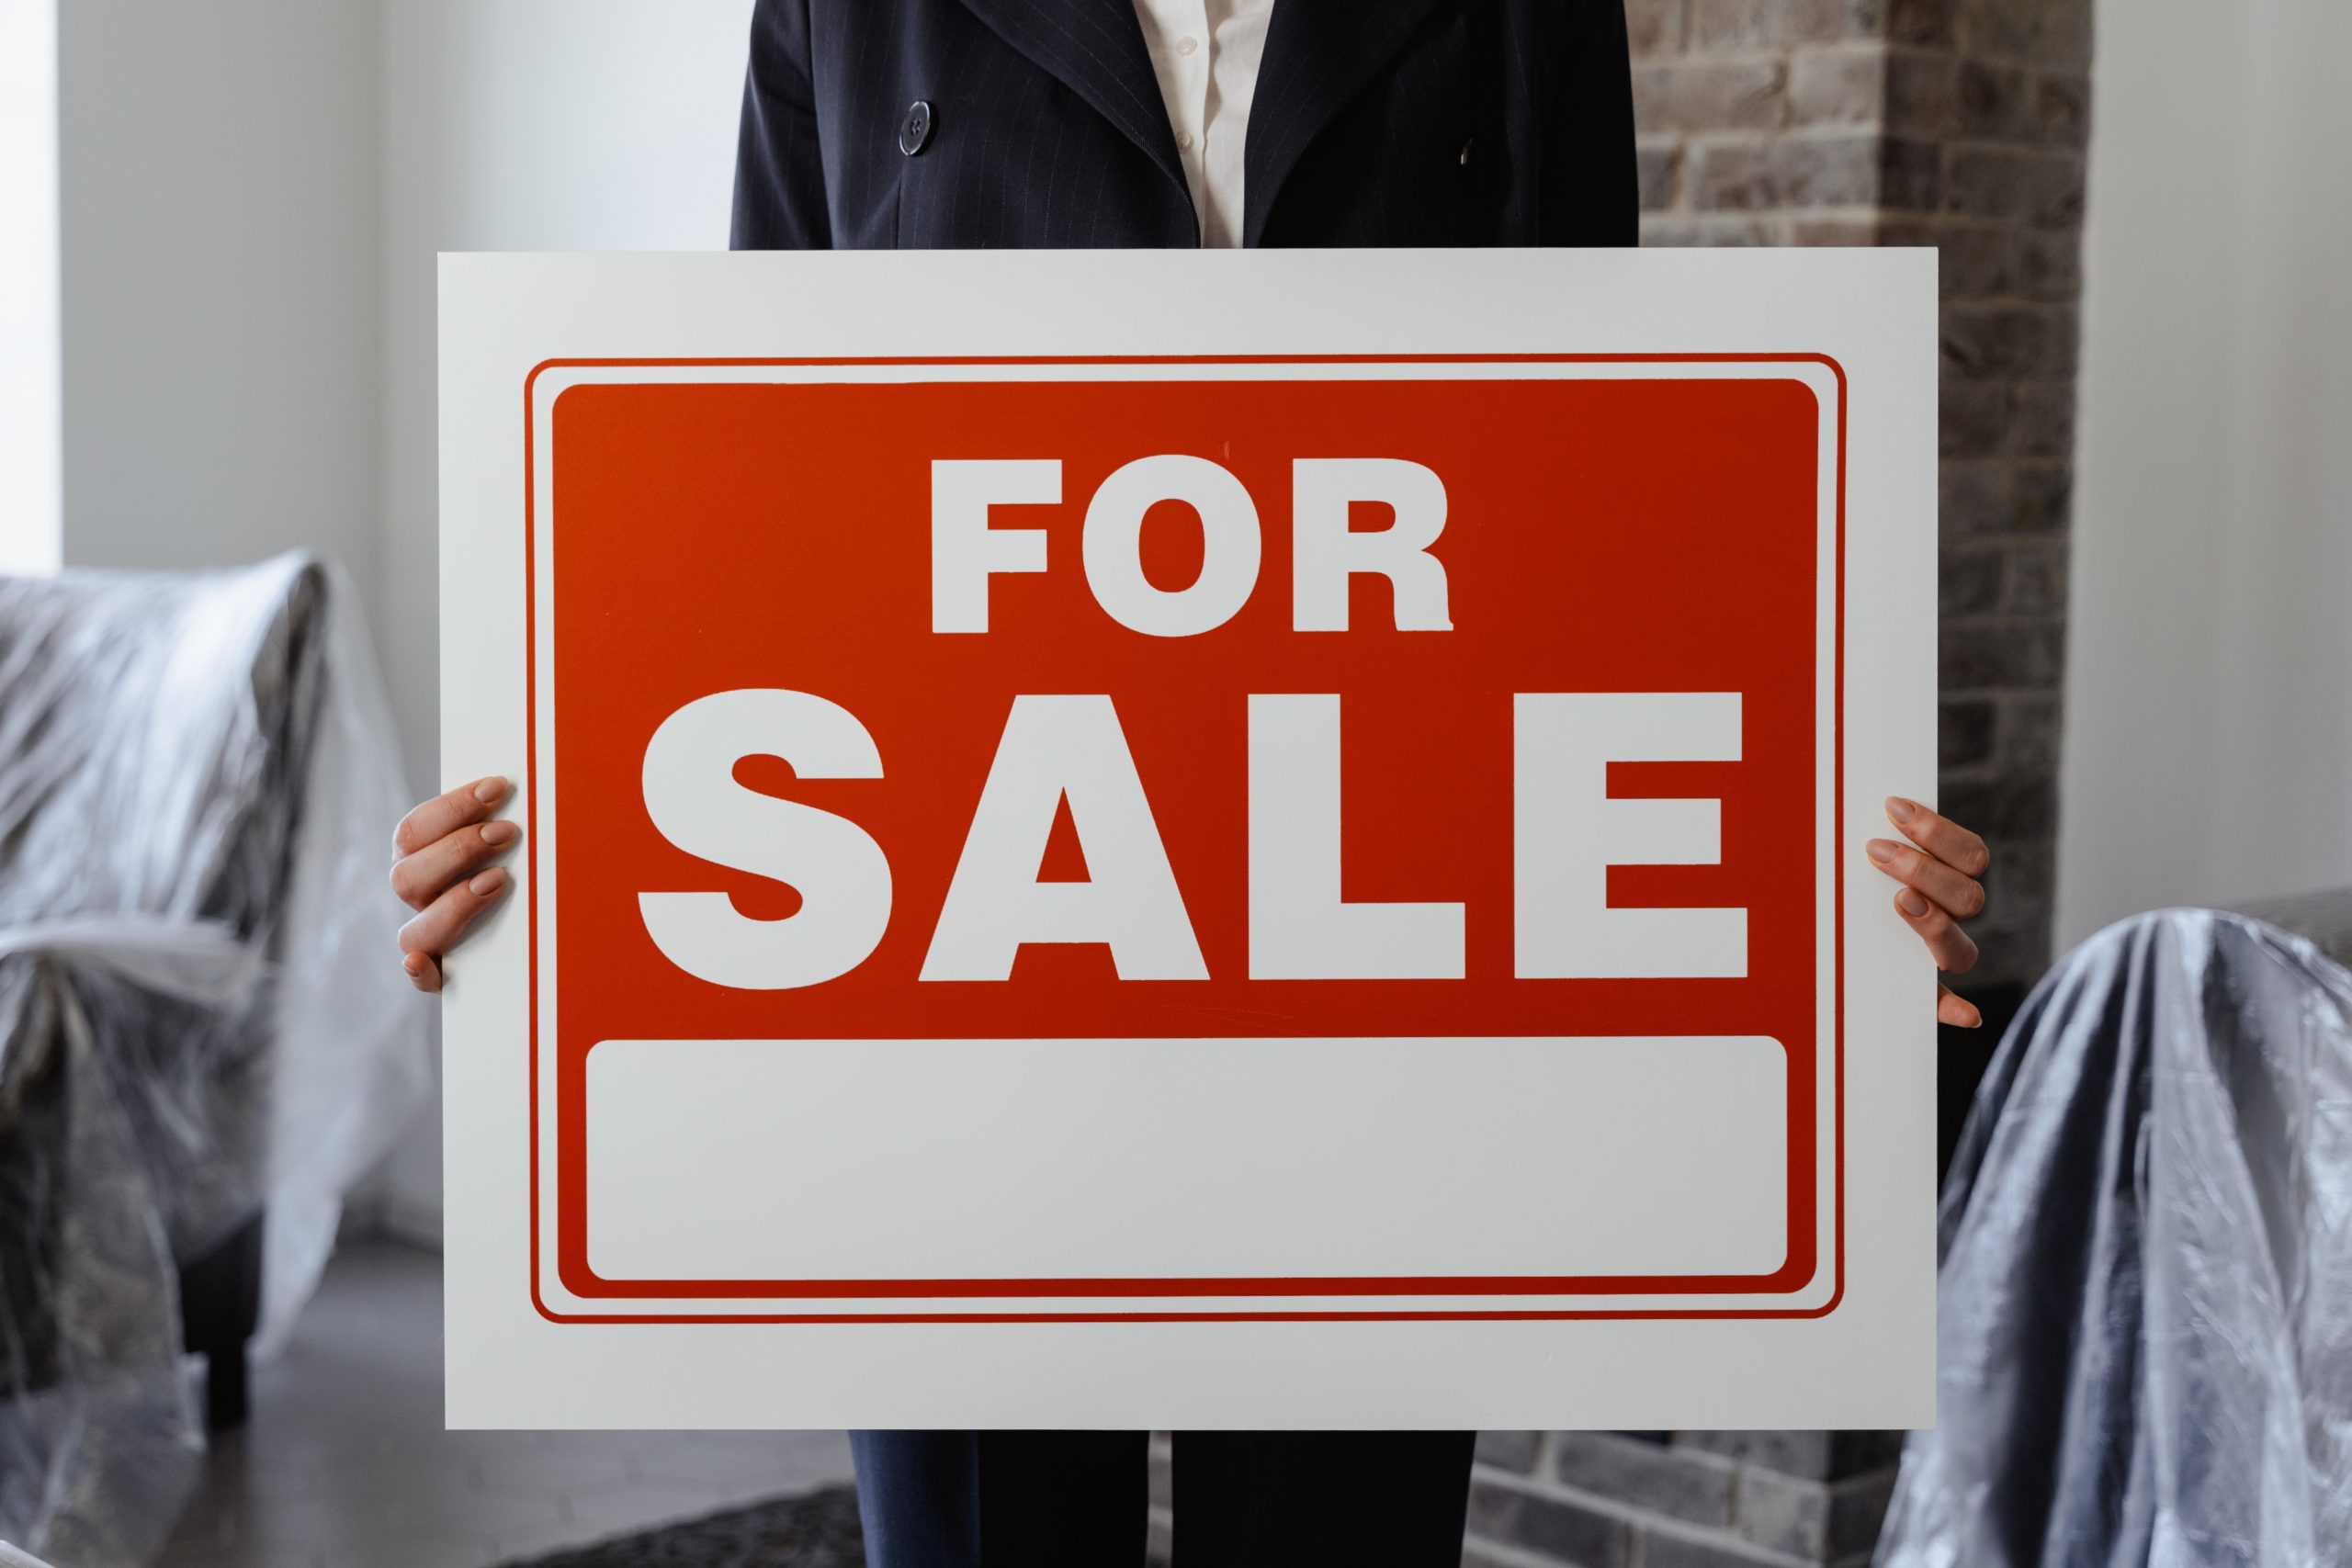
pixel 912 1159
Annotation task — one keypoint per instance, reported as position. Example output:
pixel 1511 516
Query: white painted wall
pixel 253 192
pixel 216 170
pixel 29 322
pixel 2208 734
pixel 554 125
pixel 526 125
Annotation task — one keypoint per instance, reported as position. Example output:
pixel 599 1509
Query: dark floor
pixel 344 1464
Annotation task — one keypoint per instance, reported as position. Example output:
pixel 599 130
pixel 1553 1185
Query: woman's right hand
pixel 443 872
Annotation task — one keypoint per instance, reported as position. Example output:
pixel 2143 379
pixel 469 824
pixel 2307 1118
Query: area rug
pixel 818 1530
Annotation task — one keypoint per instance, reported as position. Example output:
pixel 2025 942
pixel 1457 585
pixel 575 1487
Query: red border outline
pixel 1838 722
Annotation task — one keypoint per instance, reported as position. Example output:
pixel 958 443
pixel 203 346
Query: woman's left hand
pixel 1938 869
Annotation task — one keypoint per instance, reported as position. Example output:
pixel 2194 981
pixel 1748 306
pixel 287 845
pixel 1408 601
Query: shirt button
pixel 1185 140
pixel 915 129
pixel 1186 45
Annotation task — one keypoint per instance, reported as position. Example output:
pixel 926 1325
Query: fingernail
pixel 409 962
pixel 1911 904
pixel 1879 850
pixel 1975 1018
pixel 490 789
pixel 488 883
pixel 1899 808
pixel 498 833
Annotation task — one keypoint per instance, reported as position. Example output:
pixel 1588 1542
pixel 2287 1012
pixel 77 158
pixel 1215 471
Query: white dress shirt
pixel 1206 54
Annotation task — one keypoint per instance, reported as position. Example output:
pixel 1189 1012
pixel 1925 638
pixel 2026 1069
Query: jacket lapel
pixel 1096 47
pixel 1320 53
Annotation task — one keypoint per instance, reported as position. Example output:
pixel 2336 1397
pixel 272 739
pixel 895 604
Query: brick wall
pixel 1995 97
pixel 1959 124
pixel 1652 1499
pixel 1677 1500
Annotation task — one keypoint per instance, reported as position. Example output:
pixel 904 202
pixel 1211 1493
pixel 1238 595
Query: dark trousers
pixel 1243 1499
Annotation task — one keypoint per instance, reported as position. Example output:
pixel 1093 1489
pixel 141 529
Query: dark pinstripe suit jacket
pixel 1376 122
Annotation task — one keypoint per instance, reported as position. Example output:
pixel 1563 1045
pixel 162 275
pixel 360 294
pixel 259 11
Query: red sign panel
pixel 1183 703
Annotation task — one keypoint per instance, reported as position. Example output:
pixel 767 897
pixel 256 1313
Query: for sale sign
pixel 1294 862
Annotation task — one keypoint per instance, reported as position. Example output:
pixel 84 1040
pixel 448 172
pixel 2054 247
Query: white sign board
pixel 1172 840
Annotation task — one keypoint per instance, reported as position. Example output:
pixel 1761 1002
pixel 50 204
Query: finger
pixel 424 876
pixel 1950 947
pixel 1958 1011
pixel 1939 836
pixel 1962 895
pixel 445 919
pixel 422 973
pixel 444 814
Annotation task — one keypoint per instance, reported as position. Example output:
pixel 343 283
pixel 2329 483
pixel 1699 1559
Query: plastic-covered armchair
pixel 197 1052
pixel 2144 1324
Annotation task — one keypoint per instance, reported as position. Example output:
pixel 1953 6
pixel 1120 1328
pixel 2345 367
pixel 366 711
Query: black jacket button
pixel 915 129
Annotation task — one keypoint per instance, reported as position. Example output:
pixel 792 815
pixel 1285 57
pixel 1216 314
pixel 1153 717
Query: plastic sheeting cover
pixel 2144 1336
pixel 199 1018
